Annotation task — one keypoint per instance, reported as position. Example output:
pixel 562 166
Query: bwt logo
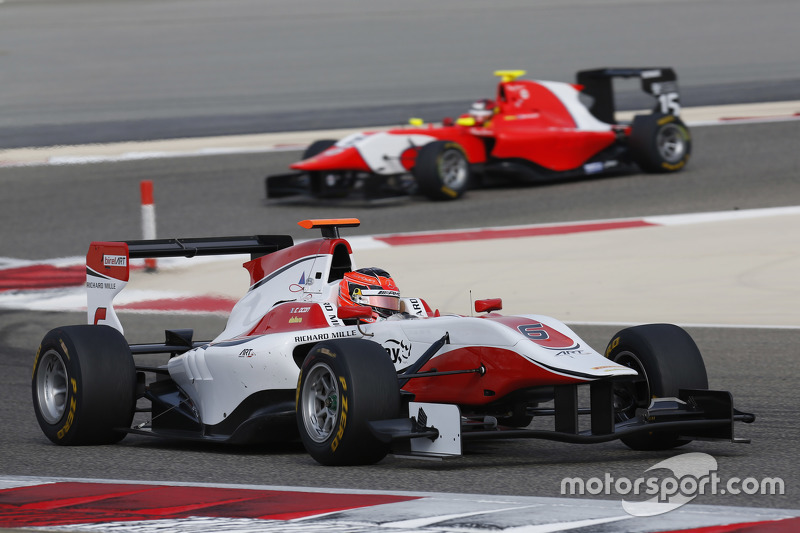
pixel 115 260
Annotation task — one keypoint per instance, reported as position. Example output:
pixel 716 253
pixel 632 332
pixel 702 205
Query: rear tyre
pixel 660 143
pixel 343 385
pixel 442 170
pixel 84 385
pixel 667 359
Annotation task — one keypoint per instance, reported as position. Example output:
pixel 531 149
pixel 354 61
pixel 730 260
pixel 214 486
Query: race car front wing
pixel 437 430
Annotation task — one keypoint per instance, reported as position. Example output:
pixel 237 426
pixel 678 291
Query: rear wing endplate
pixel 661 82
pixel 108 263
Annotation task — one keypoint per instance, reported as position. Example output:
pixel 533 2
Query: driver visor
pixel 383 299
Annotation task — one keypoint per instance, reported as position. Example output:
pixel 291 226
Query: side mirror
pixel 488 305
pixel 356 311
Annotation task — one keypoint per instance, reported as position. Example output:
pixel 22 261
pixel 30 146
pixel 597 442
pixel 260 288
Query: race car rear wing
pixel 660 82
pixel 108 263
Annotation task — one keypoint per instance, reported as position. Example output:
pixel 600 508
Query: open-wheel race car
pixel 335 354
pixel 532 131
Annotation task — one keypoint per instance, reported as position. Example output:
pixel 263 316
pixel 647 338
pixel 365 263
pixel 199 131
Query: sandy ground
pixel 738 272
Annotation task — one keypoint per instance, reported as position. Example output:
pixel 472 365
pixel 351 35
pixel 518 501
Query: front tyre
pixel 84 385
pixel 442 170
pixel 343 385
pixel 667 360
pixel 660 143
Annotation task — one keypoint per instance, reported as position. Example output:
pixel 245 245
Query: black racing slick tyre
pixel 343 385
pixel 84 385
pixel 442 170
pixel 660 143
pixel 667 360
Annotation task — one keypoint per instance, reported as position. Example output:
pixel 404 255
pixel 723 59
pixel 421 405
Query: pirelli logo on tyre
pixel 611 345
pixel 297 392
pixel 36 361
pixel 73 405
pixel 449 192
pixel 342 414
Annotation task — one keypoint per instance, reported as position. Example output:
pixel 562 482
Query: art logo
pixel 115 260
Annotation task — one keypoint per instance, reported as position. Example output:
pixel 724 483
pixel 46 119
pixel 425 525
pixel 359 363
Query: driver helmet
pixel 373 287
pixel 482 110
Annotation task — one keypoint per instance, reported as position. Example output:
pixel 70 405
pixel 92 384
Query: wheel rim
pixel 629 394
pixel 51 386
pixel 320 402
pixel 453 169
pixel 671 143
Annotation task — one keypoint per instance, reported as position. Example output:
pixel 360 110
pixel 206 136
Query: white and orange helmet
pixel 373 287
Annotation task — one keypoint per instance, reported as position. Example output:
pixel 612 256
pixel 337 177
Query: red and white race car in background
pixel 531 131
pixel 295 358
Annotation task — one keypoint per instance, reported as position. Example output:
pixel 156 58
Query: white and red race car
pixel 531 131
pixel 294 359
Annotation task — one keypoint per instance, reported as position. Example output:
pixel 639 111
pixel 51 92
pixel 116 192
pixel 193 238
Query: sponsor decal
pixel 416 307
pixel 399 351
pixel 569 353
pixel 101 285
pixel 300 309
pixel 330 314
pixel 247 352
pixel 115 260
pixel 295 320
pixel 325 336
